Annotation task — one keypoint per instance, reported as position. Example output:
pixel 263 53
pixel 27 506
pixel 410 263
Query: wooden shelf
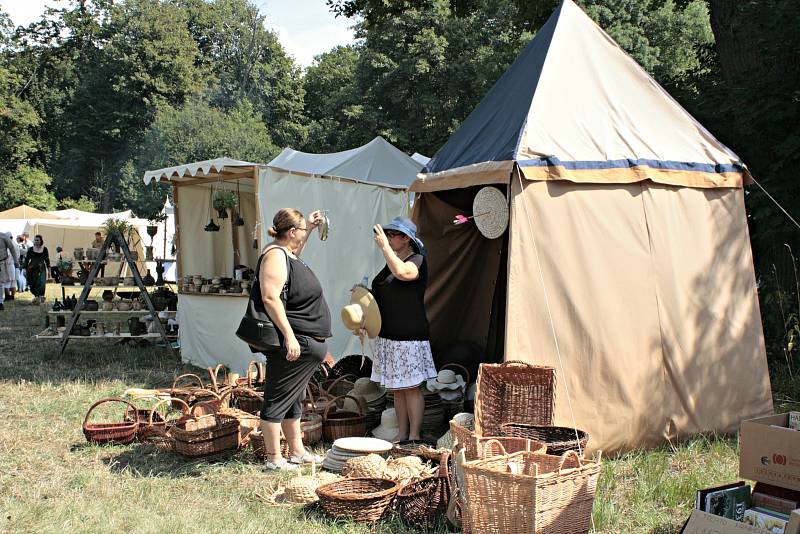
pixel 119 288
pixel 194 293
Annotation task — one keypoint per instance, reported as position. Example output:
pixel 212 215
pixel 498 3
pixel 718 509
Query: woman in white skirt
pixel 403 358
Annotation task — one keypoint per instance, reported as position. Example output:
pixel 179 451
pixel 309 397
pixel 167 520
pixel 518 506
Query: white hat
pixel 446 379
pixel 389 426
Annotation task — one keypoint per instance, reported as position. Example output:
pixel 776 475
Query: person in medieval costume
pixel 37 263
pixel 9 261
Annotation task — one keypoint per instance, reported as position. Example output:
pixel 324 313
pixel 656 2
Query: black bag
pixel 256 328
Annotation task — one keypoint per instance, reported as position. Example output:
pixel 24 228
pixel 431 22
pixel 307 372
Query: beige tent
pixel 627 263
pixel 25 212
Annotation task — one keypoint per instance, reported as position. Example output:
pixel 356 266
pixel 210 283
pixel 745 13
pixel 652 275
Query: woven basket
pixel 558 439
pixel 339 386
pixel 513 391
pixel 247 421
pixel 158 431
pixel 120 432
pixel 247 379
pixel 311 428
pixel 423 504
pixel 477 447
pixel 256 444
pixel 528 492
pixel 344 424
pixel 201 435
pixel 352 364
pixel 358 499
pixel 185 393
pixel 246 395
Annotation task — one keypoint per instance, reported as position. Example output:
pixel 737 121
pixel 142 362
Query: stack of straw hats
pixel 374 397
pixel 344 449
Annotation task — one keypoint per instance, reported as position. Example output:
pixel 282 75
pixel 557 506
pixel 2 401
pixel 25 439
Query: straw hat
pixel 389 426
pixel 365 389
pixel 490 212
pixel 369 466
pixel 362 312
pixel 300 490
pixel 446 379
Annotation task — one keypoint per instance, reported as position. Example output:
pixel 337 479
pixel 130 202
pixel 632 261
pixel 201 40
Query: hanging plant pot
pixel 152 230
pixel 211 226
pixel 238 221
pixel 222 213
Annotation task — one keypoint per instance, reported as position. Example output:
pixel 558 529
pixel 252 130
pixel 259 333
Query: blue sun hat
pixel 407 227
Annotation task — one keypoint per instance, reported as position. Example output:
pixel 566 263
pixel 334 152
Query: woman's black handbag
pixel 256 328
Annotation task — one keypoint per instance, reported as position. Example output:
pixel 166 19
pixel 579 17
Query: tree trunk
pixel 736 43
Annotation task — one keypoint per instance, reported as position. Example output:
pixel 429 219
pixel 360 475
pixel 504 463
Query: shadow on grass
pixel 151 461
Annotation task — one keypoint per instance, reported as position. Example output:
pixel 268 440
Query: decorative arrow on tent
pixel 462 219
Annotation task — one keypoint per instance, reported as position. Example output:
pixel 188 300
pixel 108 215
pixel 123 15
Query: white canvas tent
pixel 358 187
pixel 627 262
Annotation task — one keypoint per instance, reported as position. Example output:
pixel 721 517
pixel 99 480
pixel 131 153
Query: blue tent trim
pixel 629 163
pixel 492 131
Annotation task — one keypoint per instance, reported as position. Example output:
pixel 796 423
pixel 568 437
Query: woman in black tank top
pixel 291 295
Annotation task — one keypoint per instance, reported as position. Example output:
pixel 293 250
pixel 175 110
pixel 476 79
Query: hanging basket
pixel 120 432
pixel 513 391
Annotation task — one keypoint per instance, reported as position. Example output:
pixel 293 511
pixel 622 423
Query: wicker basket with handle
pixel 423 504
pixel 201 435
pixel 513 391
pixel 119 432
pixel 559 439
pixel 157 430
pixel 529 492
pixel 185 392
pixel 358 499
pixel 344 424
pixel 339 386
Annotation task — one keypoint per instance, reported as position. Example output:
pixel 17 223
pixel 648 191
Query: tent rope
pixel 776 203
pixel 549 314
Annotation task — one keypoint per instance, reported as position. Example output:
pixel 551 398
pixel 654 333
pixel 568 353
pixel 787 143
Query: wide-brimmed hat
pixel 407 227
pixel 362 312
pixel 367 390
pixel 490 212
pixel 446 379
pixel 389 426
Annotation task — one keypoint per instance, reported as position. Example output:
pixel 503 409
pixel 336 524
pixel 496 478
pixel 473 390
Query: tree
pixel 25 185
pixel 332 101
pixel 197 131
pixel 248 61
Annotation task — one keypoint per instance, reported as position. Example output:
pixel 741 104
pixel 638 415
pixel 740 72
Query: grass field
pixel 51 480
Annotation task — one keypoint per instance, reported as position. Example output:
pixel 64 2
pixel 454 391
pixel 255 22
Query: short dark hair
pixel 97 233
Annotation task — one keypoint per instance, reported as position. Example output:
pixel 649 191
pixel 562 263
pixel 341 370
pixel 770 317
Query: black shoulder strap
pixel 285 290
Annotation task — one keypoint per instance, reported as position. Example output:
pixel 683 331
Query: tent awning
pixel 24 211
pixel 207 168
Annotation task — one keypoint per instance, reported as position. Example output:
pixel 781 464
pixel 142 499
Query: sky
pixel 305 27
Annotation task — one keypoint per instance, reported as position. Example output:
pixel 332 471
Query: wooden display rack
pixel 112 238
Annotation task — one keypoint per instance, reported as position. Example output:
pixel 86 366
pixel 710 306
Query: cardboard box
pixel 705 523
pixel 770 451
pixel 794 523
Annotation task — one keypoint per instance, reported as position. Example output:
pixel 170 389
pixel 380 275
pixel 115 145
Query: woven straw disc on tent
pixel 490 212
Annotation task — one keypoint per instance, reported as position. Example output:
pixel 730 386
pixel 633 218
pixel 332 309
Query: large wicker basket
pixel 120 432
pixel 423 504
pixel 359 499
pixel 513 391
pixel 478 447
pixel 529 493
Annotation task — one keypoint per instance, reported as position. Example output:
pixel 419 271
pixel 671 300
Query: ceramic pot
pixel 137 305
pixel 91 305
pixel 78 254
pixel 124 306
pixel 107 305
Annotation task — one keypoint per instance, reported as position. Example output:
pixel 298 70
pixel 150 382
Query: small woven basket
pixel 201 435
pixel 311 428
pixel 423 504
pixel 158 431
pixel 358 499
pixel 256 444
pixel 344 424
pixel 558 439
pixel 144 416
pixel 119 432
pixel 513 391
pixel 340 386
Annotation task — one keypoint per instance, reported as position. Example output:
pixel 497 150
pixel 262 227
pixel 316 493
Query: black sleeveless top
pixel 302 298
pixel 402 304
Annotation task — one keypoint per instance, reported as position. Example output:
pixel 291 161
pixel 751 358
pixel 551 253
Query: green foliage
pixel 25 185
pixel 113 226
pixel 64 265
pixel 248 62
pixel 224 199
pixel 18 121
pixel 83 203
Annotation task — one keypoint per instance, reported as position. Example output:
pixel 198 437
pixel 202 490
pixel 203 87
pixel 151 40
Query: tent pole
pixel 258 204
pixel 175 212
